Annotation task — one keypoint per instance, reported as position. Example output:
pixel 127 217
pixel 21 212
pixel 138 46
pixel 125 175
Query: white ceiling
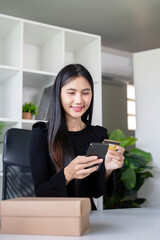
pixel 127 25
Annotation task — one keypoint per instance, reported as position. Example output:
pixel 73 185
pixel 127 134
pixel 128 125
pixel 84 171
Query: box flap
pixel 48 207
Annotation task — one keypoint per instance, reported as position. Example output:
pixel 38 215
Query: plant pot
pixel 27 115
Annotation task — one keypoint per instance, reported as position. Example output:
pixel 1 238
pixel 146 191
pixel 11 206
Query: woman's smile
pixel 77 108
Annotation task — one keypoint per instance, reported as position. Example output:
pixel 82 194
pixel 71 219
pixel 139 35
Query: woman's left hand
pixel 114 159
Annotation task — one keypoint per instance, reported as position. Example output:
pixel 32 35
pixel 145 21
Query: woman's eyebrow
pixel 73 89
pixel 86 89
pixel 70 89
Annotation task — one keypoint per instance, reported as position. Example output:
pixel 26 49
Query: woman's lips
pixel 77 109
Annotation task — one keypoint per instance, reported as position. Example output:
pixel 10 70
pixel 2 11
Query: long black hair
pixel 58 141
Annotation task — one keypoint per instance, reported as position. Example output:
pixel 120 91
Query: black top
pixel 50 183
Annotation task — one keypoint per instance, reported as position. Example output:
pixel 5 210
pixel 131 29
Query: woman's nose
pixel 78 98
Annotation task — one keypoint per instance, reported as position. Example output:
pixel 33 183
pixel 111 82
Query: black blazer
pixel 49 182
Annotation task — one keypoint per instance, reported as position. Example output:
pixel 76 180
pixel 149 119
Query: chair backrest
pixel 17 179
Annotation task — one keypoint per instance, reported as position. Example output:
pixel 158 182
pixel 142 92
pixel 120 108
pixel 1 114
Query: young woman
pixel 58 147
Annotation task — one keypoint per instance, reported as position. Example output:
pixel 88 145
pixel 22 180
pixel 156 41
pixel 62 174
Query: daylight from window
pixel 131 107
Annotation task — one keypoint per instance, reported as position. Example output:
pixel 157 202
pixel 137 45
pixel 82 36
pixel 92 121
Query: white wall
pixel 147 86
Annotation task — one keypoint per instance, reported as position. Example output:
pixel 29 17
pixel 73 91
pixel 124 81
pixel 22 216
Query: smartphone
pixel 99 150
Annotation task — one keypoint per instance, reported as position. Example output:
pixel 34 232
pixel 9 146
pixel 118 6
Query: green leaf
pixel 132 192
pixel 141 153
pixel 139 200
pixel 145 175
pixel 128 204
pixel 128 178
pixel 117 135
pixel 128 141
pixel 140 179
pixel 141 169
pixel 135 161
pixel 1 127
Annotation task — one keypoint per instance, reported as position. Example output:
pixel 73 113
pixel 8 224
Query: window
pixel 131 107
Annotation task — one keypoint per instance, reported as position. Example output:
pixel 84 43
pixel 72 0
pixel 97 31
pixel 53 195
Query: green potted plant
pixel 29 109
pixel 131 176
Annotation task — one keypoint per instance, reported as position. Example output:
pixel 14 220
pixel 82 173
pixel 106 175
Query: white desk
pixel 121 224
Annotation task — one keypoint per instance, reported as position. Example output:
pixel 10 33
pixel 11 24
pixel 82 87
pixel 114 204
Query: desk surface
pixel 126 224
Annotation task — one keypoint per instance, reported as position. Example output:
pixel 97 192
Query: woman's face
pixel 76 97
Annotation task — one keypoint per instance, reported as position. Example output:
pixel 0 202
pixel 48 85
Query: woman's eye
pixel 85 93
pixel 71 93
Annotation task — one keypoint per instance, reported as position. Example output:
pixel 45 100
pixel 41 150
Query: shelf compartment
pixel 84 49
pixel 10 95
pixel 10 42
pixel 37 79
pixel 43 48
pixel 27 124
pixel 34 85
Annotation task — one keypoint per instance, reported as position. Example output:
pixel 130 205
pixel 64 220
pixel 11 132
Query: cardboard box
pixel 45 216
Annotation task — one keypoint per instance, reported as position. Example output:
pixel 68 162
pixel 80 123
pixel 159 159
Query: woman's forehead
pixel 78 82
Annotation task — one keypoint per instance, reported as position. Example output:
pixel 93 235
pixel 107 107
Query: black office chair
pixel 17 179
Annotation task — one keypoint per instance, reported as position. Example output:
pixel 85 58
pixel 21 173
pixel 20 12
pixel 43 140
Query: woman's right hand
pixel 77 169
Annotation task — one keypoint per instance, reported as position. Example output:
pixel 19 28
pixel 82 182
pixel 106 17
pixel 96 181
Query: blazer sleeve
pixel 99 185
pixel 47 181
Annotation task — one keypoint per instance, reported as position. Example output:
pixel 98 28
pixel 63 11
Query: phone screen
pixel 97 149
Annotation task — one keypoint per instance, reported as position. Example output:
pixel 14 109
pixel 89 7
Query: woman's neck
pixel 75 125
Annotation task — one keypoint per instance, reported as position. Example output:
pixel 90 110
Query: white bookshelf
pixel 31 55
